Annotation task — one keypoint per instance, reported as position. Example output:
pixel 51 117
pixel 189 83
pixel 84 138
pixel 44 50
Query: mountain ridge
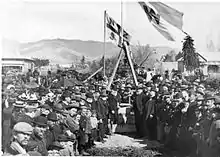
pixel 67 51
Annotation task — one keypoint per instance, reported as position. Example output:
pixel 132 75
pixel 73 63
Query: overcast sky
pixel 33 21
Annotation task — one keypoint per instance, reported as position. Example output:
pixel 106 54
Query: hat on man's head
pixel 217 100
pixel 66 94
pixel 19 104
pixel 55 145
pixel 200 98
pixel 89 95
pixel 45 106
pixel 91 87
pixel 114 87
pixel 23 127
pixel 103 94
pixel 40 121
pixel 52 116
pixel 83 90
pixel 58 107
pixel 77 91
pixel 64 138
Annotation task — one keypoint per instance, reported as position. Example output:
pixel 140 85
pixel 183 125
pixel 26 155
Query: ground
pixel 126 145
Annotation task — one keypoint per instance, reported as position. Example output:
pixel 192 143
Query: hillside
pixel 62 51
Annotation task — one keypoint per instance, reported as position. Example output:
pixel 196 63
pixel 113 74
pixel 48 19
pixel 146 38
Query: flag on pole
pixel 115 30
pixel 164 18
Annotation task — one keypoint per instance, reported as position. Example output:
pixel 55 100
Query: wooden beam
pixel 93 75
pixel 114 71
pixel 130 63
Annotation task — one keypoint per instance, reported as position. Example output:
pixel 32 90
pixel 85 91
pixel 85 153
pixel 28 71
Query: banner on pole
pixel 115 31
pixel 166 20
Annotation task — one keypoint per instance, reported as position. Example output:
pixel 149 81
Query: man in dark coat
pixel 83 131
pixel 102 114
pixel 38 140
pixel 21 135
pixel 140 99
pixel 114 99
pixel 150 116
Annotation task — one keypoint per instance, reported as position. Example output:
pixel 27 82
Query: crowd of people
pixel 46 117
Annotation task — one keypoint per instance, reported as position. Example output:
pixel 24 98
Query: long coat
pixel 102 109
pixel 113 101
pixel 38 145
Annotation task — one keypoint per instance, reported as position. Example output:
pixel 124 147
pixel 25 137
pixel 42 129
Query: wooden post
pixel 104 42
pixel 114 71
pixel 130 63
pixel 93 75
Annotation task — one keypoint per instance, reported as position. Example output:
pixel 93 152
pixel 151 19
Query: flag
pixel 171 15
pixel 164 18
pixel 115 30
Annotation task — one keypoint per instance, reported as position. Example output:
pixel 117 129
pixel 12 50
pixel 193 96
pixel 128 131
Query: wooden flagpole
pixel 104 42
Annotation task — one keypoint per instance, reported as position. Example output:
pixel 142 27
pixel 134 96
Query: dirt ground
pixel 119 140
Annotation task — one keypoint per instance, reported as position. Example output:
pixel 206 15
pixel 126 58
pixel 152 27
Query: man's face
pixel 210 103
pixel 73 111
pixel 78 117
pixel 139 91
pixel 152 94
pixel 39 130
pixel 165 88
pixel 22 138
pixel 50 123
pixel 84 111
pixel 68 99
pixel 45 111
pixel 89 100
pixel 168 100
pixel 199 102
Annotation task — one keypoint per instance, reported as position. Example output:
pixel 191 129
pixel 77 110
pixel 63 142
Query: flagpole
pixel 104 42
pixel 121 40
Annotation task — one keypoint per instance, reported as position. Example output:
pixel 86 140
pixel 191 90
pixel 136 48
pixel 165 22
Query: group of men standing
pixel 53 119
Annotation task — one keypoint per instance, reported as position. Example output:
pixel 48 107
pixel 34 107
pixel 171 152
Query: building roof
pixel 211 56
pixel 18 59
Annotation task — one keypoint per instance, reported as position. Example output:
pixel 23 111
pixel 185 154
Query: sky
pixel 28 21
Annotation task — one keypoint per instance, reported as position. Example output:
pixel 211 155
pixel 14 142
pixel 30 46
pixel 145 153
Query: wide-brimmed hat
pixel 23 97
pixel 31 85
pixel 83 90
pixel 55 145
pixel 32 106
pixel 77 91
pixel 52 116
pixel 66 94
pixel 19 104
pixel 45 106
pixel 89 95
pixel 103 94
pixel 200 98
pixel 64 138
pixel 40 121
pixel 74 105
pixel 217 100
pixel 58 107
